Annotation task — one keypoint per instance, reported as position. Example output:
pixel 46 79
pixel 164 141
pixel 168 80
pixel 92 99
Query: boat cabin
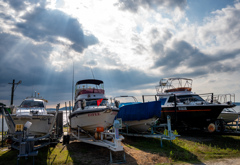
pixel 89 86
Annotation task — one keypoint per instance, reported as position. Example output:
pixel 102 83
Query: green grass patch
pixel 191 151
pixel 46 155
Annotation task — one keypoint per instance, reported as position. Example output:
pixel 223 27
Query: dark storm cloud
pixel 183 54
pixel 20 59
pixel 133 5
pixel 46 25
pixel 172 57
pixel 23 60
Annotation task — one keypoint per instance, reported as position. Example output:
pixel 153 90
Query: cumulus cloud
pixel 221 29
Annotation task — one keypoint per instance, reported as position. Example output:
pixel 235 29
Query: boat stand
pixel 232 127
pixel 167 135
pixel 109 139
pixel 26 143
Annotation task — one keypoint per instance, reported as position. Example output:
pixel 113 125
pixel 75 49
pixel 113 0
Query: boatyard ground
pixel 193 148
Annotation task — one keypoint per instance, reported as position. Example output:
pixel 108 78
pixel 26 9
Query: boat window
pixel 31 104
pixel 94 103
pixel 76 106
pixel 228 110
pixel 171 99
pixel 189 98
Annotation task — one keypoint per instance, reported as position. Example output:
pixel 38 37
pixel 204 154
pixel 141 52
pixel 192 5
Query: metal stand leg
pixel 124 157
pixel 118 161
pixel 110 157
pixel 161 143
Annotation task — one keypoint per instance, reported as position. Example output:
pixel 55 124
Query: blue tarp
pixel 128 103
pixel 140 111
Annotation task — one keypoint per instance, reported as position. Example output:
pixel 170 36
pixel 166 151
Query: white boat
pixel 92 111
pixel 136 116
pixel 31 110
pixel 229 115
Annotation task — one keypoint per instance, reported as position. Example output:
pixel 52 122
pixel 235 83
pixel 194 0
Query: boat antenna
pixel 92 72
pixel 72 86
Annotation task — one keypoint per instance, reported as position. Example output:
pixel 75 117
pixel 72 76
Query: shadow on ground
pixel 221 141
pixel 83 153
pixel 169 153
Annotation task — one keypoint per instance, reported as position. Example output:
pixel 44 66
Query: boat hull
pixel 229 117
pixel 139 117
pixel 139 125
pixel 90 119
pixel 41 124
pixel 193 116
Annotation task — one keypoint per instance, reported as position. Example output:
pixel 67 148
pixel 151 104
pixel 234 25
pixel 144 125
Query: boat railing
pixel 158 97
pixel 172 84
pixel 224 98
pixel 125 102
pixel 149 98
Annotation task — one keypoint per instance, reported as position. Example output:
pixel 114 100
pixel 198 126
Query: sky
pixel 129 44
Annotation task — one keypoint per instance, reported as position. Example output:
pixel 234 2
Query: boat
pixel 229 115
pixel 186 108
pixel 92 111
pixel 136 116
pixel 32 112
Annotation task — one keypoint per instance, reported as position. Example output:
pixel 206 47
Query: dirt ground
pixel 133 156
pixel 102 155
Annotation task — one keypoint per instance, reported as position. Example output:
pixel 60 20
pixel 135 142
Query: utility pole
pixel 13 89
pixel 12 93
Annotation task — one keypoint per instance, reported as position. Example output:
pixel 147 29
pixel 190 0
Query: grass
pixel 193 149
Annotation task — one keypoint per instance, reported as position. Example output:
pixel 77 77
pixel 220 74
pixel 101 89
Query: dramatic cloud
pixel 134 5
pixel 182 54
pixel 46 25
pixel 42 41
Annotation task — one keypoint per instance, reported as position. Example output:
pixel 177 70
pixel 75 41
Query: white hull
pixel 228 117
pixel 90 120
pixel 41 124
pixel 139 125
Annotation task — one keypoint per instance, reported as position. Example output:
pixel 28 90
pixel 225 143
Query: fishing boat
pixel 32 112
pixel 137 116
pixel 186 108
pixel 92 112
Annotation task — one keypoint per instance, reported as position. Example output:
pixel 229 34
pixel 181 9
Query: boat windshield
pixel 229 110
pixel 32 103
pixel 190 98
pixel 94 103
